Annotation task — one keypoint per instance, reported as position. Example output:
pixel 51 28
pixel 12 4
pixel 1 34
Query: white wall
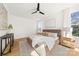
pixel 22 27
pixel 60 20
pixel 50 23
pixel 56 21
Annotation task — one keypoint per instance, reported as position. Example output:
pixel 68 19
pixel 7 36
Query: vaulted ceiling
pixel 25 9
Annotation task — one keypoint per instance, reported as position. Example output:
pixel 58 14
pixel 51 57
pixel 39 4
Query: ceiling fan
pixel 38 9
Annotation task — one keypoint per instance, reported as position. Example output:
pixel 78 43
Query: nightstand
pixel 68 42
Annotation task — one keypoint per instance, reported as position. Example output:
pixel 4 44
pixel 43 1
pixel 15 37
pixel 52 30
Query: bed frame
pixel 58 31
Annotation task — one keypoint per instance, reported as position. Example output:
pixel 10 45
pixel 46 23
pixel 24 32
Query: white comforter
pixel 39 39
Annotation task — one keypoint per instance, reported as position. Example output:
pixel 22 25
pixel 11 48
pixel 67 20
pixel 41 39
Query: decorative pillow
pixel 43 33
pixel 52 34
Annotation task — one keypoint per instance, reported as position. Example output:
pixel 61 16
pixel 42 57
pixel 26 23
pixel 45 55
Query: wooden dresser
pixel 68 42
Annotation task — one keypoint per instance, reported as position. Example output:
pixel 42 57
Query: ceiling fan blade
pixel 38 9
pixel 41 12
pixel 38 6
pixel 34 12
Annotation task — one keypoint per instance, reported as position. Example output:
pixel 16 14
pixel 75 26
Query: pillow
pixel 43 33
pixel 52 34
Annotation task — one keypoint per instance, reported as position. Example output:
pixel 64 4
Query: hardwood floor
pixel 16 49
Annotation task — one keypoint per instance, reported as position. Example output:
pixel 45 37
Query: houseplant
pixel 10 27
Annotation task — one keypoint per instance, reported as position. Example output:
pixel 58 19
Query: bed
pixel 43 38
pixel 58 31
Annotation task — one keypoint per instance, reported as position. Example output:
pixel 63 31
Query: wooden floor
pixel 16 50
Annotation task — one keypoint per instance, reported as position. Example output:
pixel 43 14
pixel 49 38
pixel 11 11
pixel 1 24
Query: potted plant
pixel 10 27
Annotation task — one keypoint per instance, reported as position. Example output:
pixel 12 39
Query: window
pixel 40 25
pixel 75 23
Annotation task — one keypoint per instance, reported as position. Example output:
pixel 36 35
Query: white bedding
pixel 39 39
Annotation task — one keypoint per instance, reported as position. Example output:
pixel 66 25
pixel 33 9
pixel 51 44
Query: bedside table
pixel 68 42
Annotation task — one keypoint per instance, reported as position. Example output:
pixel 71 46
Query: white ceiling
pixel 25 9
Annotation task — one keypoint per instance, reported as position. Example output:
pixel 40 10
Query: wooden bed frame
pixel 58 31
